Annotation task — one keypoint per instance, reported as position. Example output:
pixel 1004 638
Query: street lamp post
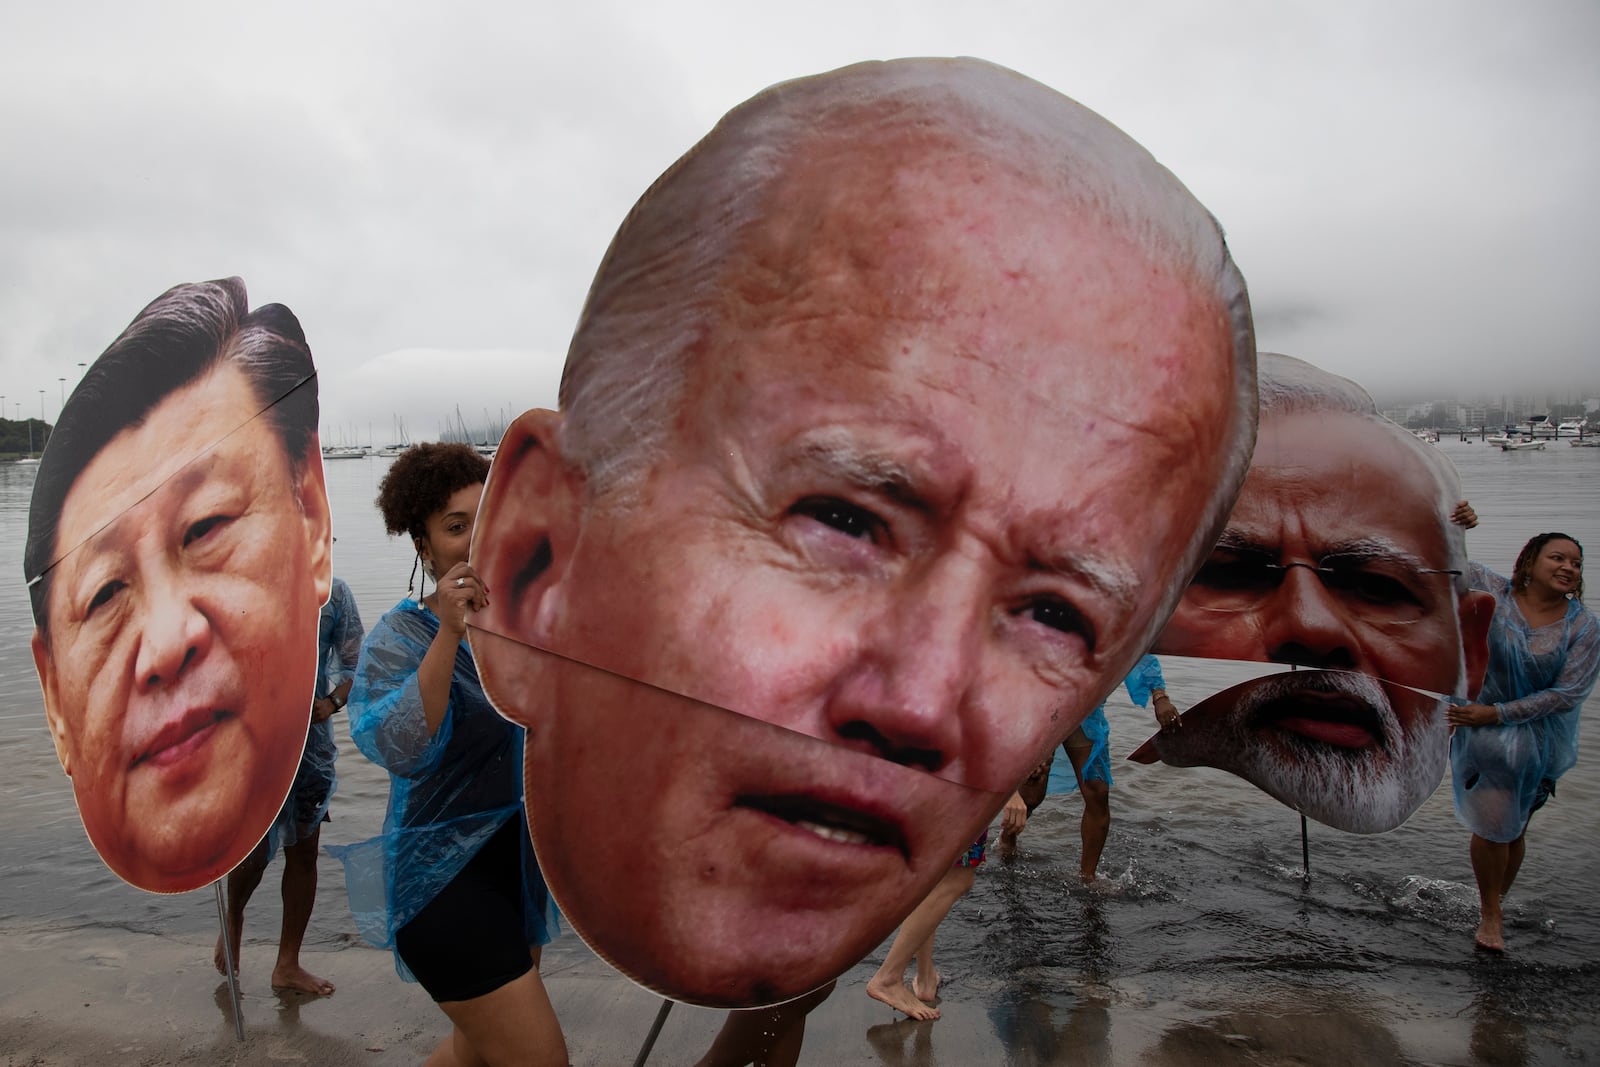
pixel 63 382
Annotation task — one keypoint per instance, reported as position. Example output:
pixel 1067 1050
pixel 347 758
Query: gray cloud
pixel 1409 188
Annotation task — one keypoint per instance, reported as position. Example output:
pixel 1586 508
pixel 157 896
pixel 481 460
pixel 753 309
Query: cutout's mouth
pixel 180 737
pixel 832 822
pixel 1335 719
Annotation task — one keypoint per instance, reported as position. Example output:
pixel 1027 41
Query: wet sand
pixel 98 996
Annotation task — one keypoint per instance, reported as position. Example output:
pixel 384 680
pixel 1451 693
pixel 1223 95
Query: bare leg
pixel 514 1026
pixel 889 983
pixel 766 1037
pixel 1096 825
pixel 242 882
pixel 1490 862
pixel 1514 862
pixel 299 895
pixel 925 982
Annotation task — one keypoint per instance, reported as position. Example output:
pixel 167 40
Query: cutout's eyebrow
pixel 1114 581
pixel 1231 540
pixel 869 470
pixel 1377 548
pixel 1361 548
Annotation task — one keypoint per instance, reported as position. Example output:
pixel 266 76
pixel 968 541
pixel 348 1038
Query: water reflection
pixel 1038 1026
pixel 1299 1031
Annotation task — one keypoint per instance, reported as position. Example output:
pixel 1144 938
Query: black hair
pixel 182 334
pixel 422 481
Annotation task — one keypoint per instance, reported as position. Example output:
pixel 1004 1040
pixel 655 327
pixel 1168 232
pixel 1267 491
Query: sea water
pixel 1206 938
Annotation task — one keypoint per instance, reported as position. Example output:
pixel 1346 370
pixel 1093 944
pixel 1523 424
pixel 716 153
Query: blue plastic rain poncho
pixel 1539 679
pixel 1141 681
pixel 448 792
pixel 338 647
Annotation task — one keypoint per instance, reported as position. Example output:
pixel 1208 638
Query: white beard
pixel 1365 791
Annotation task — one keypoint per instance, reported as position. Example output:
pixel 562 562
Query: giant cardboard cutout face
pixel 888 546
pixel 1345 748
pixel 186 562
pixel 1337 555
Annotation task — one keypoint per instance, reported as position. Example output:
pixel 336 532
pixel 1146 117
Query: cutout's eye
pixel 1373 587
pixel 1057 614
pixel 1238 573
pixel 1374 583
pixel 205 526
pixel 849 519
pixel 103 596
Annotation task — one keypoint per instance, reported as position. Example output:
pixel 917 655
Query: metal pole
pixel 655 1031
pixel 1305 851
pixel 1305 839
pixel 227 958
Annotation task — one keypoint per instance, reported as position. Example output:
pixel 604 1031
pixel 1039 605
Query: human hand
pixel 322 709
pixel 1166 711
pixel 460 592
pixel 1464 516
pixel 1472 715
pixel 1014 816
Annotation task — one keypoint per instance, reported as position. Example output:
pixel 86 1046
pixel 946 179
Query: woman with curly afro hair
pixel 451 885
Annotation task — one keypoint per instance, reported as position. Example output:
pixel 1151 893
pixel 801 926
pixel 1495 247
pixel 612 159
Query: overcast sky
pixel 1410 188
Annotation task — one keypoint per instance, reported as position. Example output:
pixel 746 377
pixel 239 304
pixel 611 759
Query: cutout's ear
pixel 526 526
pixel 312 493
pixel 1475 610
pixel 44 663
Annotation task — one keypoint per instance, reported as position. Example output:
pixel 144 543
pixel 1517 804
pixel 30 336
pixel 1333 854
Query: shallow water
pixel 1203 943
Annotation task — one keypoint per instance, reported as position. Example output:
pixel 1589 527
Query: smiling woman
pixel 177 561
pixel 1510 748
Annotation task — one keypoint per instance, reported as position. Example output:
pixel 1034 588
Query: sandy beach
pixel 107 996
pixel 102 996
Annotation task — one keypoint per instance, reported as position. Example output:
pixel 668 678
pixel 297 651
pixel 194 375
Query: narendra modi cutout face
pixel 1339 555
pixel 786 634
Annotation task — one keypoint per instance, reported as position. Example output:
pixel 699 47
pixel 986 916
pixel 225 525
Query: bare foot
pixel 220 960
pixel 897 996
pixel 299 979
pixel 1489 936
pixel 927 991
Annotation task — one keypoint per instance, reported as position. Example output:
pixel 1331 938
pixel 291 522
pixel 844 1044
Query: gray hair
pixel 655 298
pixel 1290 386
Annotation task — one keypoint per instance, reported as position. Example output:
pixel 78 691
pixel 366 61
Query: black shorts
pixel 470 940
pixel 1546 790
